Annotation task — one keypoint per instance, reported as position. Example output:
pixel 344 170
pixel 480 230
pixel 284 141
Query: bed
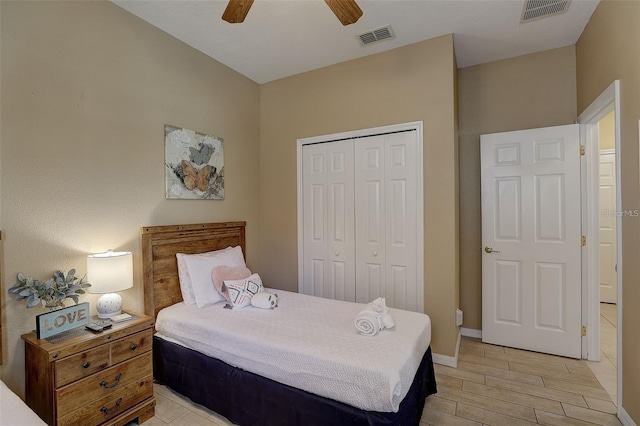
pixel 13 410
pixel 245 394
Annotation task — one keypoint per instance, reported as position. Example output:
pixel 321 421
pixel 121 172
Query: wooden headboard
pixel 159 247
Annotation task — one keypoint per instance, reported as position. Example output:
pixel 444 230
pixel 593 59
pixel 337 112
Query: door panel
pixel 398 284
pixel 329 255
pixel 316 280
pixel 508 292
pixel 550 295
pixel 549 202
pixel 386 214
pixel 608 274
pixel 531 233
pixel 401 196
pixel 360 213
pixel 508 215
pixel 370 218
pixel 317 212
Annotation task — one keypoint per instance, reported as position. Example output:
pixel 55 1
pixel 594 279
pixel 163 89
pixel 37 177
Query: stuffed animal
pixel 265 300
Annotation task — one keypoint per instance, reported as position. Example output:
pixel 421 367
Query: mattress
pixel 13 411
pixel 245 398
pixel 309 343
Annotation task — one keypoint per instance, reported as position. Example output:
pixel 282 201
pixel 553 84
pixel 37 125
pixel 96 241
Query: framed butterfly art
pixel 194 165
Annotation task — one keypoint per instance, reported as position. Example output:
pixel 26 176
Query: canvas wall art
pixel 194 165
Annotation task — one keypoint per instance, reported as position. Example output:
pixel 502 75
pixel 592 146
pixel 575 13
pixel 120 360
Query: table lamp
pixel 108 273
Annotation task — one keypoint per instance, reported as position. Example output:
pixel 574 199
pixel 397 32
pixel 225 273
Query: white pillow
pixel 186 286
pixel 185 280
pixel 200 268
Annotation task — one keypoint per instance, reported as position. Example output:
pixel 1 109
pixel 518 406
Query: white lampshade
pixel 108 273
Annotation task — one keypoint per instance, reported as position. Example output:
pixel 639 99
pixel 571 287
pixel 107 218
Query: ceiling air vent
pixel 378 34
pixel 535 9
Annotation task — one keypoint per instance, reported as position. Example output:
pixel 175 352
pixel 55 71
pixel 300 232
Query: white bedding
pixel 13 411
pixel 309 343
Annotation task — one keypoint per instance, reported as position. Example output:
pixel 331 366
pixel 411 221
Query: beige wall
pixel 536 90
pixel 607 132
pixel 607 50
pixel 412 83
pixel 86 91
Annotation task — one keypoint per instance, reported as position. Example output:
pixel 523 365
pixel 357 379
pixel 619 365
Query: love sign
pixel 56 322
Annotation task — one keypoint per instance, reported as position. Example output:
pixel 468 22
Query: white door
pixel 328 233
pixel 386 216
pixel 608 274
pixel 370 219
pixel 531 265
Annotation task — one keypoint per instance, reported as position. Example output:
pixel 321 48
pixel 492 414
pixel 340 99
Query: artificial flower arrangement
pixel 52 293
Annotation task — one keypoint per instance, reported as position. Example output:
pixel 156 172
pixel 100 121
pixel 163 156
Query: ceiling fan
pixel 347 11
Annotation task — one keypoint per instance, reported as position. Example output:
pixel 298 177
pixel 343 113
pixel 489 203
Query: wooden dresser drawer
pixel 92 379
pixel 131 346
pixel 81 365
pixel 84 364
pixel 107 407
pixel 105 383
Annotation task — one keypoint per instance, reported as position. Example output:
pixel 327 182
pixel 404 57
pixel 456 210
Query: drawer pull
pixel 86 364
pixel 114 409
pixel 112 385
pixel 134 346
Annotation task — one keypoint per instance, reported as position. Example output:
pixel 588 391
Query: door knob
pixel 490 249
pixel 337 253
pixel 375 253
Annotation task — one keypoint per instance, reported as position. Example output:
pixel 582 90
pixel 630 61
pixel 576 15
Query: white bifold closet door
pixel 329 247
pixel 360 216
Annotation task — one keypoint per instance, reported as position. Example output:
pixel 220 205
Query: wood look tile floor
pixel 495 385
pixel 606 369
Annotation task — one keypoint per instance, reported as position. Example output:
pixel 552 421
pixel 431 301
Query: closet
pixel 361 231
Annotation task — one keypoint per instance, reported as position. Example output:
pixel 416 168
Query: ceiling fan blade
pixel 347 11
pixel 236 11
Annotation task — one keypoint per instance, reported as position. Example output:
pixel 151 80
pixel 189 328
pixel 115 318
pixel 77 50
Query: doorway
pixel 608 212
pixel 605 370
pixel 602 113
pixel 607 102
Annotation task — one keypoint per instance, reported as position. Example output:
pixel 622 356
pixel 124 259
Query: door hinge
pixel 583 150
pixel 583 241
pixel 583 331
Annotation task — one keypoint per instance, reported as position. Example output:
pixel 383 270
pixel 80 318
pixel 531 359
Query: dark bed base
pixel 248 399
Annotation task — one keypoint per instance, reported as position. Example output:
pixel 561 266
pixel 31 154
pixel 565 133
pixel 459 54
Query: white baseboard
pixel 470 332
pixel 449 361
pixel 625 418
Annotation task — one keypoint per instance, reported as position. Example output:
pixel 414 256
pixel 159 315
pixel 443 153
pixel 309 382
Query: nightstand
pixel 86 378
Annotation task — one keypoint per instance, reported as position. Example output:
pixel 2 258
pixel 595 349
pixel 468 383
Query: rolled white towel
pixel 379 305
pixel 373 318
pixel 368 323
pixel 387 320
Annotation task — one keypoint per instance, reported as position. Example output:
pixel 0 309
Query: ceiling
pixel 280 38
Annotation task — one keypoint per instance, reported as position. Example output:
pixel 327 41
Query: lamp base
pixel 109 305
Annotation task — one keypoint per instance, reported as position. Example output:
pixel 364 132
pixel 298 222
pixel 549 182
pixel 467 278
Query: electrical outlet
pixel 458 317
